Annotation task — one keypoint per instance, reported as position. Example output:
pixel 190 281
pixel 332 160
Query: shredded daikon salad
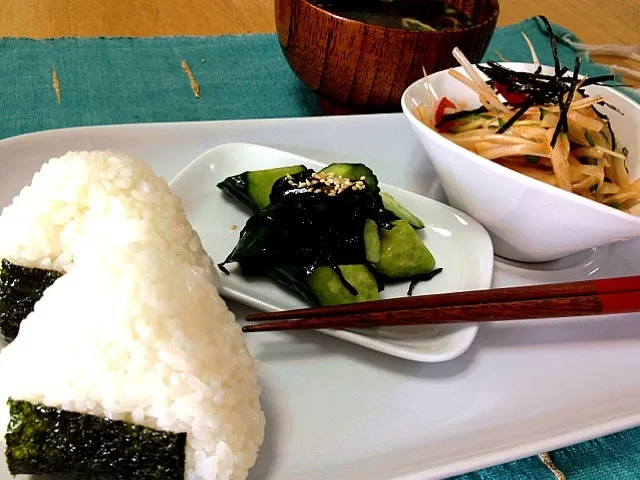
pixel 543 126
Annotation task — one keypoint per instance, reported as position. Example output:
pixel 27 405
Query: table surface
pixel 595 21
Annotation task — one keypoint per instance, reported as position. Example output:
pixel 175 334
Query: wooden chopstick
pixel 605 304
pixel 533 292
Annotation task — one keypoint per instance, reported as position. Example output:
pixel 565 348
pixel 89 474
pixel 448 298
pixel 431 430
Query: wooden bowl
pixel 356 67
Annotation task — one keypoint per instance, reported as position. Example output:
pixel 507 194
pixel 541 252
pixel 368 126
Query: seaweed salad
pixel 331 235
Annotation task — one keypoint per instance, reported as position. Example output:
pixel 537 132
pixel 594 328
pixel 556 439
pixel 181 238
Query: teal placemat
pixel 126 80
pixel 131 80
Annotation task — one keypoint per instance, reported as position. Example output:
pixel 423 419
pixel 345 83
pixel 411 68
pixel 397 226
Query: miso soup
pixel 434 15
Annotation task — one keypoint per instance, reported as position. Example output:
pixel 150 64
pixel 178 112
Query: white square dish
pixel 337 411
pixel 461 246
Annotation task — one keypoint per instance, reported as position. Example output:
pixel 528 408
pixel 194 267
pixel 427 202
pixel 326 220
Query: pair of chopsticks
pixel 589 297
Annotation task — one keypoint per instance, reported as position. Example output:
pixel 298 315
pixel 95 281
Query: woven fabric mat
pixel 132 80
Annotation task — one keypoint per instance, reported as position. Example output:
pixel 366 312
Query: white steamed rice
pixel 85 200
pixel 133 334
pixel 136 329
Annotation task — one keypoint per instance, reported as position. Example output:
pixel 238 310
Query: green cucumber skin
pixel 329 290
pixel 399 212
pixel 260 182
pixel 43 440
pixel 322 286
pixel 353 171
pixel 371 241
pixel 464 114
pixel 403 254
pixel 237 187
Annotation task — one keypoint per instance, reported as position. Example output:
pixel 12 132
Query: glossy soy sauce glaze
pixel 434 15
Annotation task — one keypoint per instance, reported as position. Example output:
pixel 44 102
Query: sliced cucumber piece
pixel 371 241
pixel 463 115
pixel 253 188
pixel 398 211
pixel 403 254
pixel 236 187
pixel 330 289
pixel 260 182
pixel 353 171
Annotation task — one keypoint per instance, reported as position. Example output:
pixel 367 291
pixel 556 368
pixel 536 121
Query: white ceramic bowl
pixel 528 220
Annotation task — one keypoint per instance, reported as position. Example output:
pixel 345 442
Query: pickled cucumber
pixel 402 252
pixel 330 289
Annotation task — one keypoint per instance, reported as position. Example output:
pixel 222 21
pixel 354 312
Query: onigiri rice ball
pixel 90 200
pixel 134 334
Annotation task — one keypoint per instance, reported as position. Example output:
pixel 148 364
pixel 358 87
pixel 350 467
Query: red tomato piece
pixel 444 103
pixel 515 98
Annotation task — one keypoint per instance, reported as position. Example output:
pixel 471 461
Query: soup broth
pixel 434 15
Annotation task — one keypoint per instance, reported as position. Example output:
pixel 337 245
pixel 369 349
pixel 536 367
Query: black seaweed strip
pixel 350 288
pixel 597 80
pixel 554 45
pixel 525 106
pixel 564 106
pixel 608 122
pixel 422 278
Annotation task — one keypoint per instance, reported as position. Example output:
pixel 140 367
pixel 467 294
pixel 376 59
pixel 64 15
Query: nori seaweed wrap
pixel 20 289
pixel 43 440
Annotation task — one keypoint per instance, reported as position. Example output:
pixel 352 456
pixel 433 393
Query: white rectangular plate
pixel 336 411
pixel 460 245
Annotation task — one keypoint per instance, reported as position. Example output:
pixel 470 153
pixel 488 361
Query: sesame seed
pixel 310 189
pixel 302 184
pixel 363 178
pixel 354 188
pixel 289 176
pixel 317 190
pixel 332 193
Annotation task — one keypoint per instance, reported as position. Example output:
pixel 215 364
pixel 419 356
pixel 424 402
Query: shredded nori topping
pixel 540 89
pixel 527 104
pixel 43 440
pixel 20 289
